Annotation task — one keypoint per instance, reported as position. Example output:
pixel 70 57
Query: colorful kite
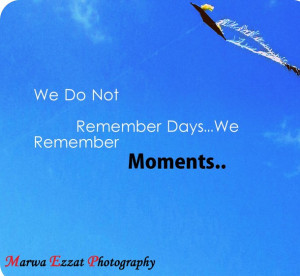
pixel 246 37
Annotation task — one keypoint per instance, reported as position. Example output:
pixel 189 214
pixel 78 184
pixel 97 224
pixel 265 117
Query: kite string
pixel 161 48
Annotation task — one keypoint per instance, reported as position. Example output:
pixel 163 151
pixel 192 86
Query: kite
pixel 207 20
pixel 248 37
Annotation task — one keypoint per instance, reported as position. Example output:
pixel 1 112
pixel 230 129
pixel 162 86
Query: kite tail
pixel 254 35
pixel 266 51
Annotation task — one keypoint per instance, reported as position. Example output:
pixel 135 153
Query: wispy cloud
pixel 85 13
pixel 284 135
pixel 90 15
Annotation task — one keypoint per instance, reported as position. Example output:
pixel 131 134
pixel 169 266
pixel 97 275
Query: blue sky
pixel 167 65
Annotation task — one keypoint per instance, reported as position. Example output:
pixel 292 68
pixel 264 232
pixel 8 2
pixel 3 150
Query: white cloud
pixel 284 135
pixel 89 15
pixel 85 13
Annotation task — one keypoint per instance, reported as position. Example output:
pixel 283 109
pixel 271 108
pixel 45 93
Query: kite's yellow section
pixel 207 7
pixel 220 28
